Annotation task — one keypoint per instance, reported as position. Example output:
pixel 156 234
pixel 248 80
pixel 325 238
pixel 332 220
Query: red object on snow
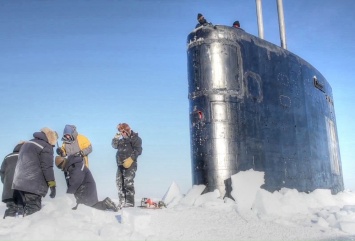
pixel 150 203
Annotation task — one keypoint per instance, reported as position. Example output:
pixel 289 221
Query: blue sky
pixel 97 63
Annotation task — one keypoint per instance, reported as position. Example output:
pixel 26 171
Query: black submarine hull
pixel 254 105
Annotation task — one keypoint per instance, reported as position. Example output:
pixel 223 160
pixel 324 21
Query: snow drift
pixel 254 214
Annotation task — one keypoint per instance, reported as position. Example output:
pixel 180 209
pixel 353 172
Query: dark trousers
pixel 125 183
pixel 14 205
pixel 32 202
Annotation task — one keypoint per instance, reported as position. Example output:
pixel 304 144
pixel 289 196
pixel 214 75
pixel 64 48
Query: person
pixel 81 183
pixel 202 21
pixel 236 24
pixel 9 196
pixel 74 144
pixel 34 173
pixel 129 147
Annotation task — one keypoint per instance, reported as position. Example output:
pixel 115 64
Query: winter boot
pixel 110 205
pixel 20 211
pixel 129 201
pixel 10 213
pixel 29 211
pixel 128 205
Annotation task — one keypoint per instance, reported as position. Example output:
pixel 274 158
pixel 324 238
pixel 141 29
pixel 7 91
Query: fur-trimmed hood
pixel 51 135
pixel 64 163
pixel 60 162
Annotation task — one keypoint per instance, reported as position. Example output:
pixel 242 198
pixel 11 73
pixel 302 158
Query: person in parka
pixel 34 172
pixel 9 196
pixel 81 183
pixel 202 21
pixel 129 147
pixel 74 144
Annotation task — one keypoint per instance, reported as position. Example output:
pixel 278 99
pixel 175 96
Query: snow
pixel 254 214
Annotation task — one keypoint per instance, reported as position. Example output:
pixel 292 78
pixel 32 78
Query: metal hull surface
pixel 254 105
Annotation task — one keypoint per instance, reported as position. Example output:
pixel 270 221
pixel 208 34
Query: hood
pixel 18 146
pixel 51 135
pixel 41 136
pixel 60 162
pixel 71 130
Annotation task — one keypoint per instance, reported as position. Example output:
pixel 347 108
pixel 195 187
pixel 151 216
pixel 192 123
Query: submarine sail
pixel 254 105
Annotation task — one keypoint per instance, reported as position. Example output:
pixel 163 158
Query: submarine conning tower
pixel 254 105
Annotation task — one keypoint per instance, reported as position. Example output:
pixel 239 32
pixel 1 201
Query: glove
pixel 51 185
pixel 53 192
pixel 127 163
pixel 60 151
pixel 117 136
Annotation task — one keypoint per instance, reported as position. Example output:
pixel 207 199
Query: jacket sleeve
pixel 137 147
pixel 114 143
pixel 63 149
pixel 76 178
pixel 46 160
pixel 87 150
pixel 84 145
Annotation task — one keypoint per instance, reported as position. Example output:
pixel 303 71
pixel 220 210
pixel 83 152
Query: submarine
pixel 255 105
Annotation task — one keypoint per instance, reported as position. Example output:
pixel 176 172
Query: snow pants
pixel 125 184
pixel 14 205
pixel 32 202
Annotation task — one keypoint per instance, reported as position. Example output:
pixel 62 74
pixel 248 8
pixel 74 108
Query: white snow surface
pixel 254 214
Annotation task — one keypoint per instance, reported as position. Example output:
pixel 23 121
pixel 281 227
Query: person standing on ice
pixel 34 172
pixel 9 196
pixel 129 147
pixel 81 183
pixel 74 144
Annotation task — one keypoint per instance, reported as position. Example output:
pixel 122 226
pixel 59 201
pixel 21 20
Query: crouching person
pixel 81 183
pixel 34 173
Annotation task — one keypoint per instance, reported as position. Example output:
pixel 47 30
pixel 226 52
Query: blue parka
pixel 34 167
pixel 127 147
pixel 80 181
pixel 7 172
